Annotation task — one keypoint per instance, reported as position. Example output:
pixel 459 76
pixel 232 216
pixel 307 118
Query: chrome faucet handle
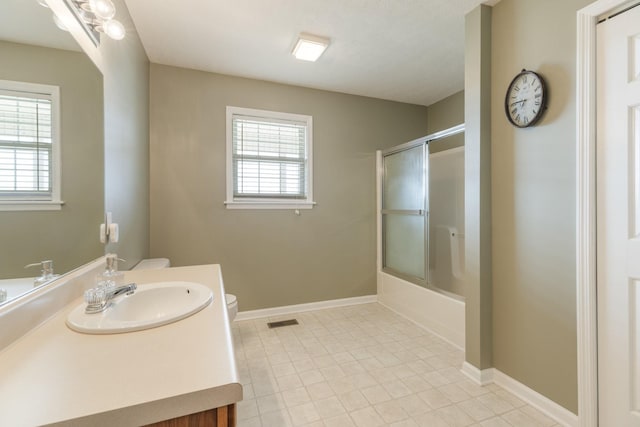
pixel 96 299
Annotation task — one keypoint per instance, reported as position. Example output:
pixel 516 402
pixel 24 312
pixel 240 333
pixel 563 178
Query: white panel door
pixel 618 219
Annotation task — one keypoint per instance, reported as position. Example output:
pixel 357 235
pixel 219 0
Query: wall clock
pixel 526 99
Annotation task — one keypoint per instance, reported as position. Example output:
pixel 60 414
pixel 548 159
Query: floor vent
pixel 282 323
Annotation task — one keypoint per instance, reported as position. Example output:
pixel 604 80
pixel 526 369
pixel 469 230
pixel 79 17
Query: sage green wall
pixel 442 115
pixel 126 109
pixel 477 184
pixel 534 301
pixel 270 257
pixel 68 236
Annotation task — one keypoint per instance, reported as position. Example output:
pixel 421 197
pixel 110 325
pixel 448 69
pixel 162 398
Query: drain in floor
pixel 282 323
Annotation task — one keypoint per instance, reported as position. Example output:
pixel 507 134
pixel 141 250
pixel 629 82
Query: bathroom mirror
pixel 34 50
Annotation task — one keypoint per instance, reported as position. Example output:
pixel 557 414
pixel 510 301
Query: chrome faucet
pixel 98 299
pixel 124 289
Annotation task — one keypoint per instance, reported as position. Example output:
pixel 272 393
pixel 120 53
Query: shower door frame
pixel 424 212
pixel 423 141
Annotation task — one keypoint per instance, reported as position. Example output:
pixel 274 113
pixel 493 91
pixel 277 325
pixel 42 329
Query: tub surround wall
pixel 271 258
pixel 445 114
pixel 446 220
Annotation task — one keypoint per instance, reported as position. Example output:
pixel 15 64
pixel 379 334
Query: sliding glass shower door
pixel 422 212
pixel 405 210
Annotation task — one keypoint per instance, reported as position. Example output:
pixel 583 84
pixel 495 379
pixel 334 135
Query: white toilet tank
pixel 152 264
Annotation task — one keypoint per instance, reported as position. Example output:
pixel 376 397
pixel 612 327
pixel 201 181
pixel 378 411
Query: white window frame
pixel 268 202
pixel 54 202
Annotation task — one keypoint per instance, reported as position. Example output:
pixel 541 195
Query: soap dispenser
pixel 45 275
pixel 111 277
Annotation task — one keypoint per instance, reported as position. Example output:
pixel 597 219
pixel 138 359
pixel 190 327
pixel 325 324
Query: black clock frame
pixel 543 106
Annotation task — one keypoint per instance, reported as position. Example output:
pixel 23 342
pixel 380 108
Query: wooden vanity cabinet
pixel 224 416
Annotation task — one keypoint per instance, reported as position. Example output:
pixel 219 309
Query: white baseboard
pixel 547 406
pixel 480 377
pixel 320 305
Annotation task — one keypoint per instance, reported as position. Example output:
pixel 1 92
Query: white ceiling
pixel 25 21
pixel 402 50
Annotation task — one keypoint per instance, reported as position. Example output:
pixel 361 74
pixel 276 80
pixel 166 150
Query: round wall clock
pixel 526 99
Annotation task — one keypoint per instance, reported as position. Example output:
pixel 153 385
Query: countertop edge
pixel 213 392
pixel 161 410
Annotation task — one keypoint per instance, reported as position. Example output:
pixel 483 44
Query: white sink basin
pixel 151 305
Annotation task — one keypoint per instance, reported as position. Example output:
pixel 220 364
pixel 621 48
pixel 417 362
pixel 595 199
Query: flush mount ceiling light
pixel 310 47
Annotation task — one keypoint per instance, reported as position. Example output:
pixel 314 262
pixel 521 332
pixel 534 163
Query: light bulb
pixel 103 9
pixel 114 29
pixel 59 23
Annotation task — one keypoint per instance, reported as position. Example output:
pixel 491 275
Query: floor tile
pixel 343 420
pixel 330 407
pixel 288 382
pixel 391 411
pixel 362 366
pixel 430 419
pixel 303 414
pixel 250 422
pixel 495 422
pixel 376 394
pixel 247 408
pixel 454 416
pixel 397 389
pixel 311 377
pixel 367 417
pixel 296 397
pixel 435 398
pixel 476 410
pixel 276 418
pixel 320 390
pixel 405 423
pixel 353 400
pixel 270 403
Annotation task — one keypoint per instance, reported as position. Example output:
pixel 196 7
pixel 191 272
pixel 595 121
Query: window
pixel 29 146
pixel 268 160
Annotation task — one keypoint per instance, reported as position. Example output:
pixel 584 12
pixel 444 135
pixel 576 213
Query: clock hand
pixel 518 102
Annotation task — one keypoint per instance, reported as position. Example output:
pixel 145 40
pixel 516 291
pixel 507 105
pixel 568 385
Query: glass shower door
pixel 404 212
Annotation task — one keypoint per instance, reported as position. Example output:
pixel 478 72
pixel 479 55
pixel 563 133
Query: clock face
pixel 526 99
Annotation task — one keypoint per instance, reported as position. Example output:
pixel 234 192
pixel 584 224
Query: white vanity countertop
pixel 55 375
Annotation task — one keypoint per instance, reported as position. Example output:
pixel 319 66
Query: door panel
pixel 618 219
pixel 404 213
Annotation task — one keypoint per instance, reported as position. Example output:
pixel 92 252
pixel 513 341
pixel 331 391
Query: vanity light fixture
pixel 59 23
pixel 310 47
pixel 96 16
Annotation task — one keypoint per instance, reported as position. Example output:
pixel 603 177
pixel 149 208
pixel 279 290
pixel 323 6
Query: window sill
pixel 19 205
pixel 234 204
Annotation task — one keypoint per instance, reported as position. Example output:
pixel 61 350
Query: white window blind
pixel 269 160
pixel 26 146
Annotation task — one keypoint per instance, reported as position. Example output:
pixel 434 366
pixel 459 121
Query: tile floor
pixel 362 366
